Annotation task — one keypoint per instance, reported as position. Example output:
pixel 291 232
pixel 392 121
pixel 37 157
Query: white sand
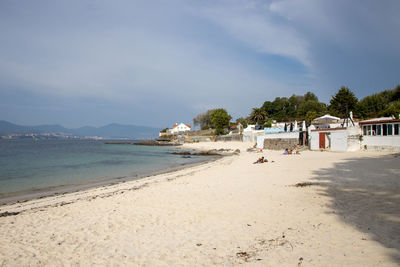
pixel 223 213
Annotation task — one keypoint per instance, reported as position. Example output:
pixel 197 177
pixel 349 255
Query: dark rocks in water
pixel 212 152
pixel 196 153
pixel 155 143
pixel 181 153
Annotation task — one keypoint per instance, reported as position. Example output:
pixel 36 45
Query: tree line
pixel 307 107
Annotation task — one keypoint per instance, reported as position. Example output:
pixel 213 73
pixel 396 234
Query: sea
pixel 36 168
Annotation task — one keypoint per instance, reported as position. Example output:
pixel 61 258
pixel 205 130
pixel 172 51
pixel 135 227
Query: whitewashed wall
pixel 338 140
pixel 251 136
pixel 353 138
pixel 391 142
pixel 314 140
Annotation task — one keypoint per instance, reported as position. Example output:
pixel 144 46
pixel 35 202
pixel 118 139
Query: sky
pixel 158 62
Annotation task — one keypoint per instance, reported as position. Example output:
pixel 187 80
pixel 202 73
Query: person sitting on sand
pixel 287 152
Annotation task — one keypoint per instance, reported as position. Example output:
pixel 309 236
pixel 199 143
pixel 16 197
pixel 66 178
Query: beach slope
pixel 312 209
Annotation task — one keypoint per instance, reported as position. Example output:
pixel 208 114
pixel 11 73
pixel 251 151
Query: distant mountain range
pixel 109 131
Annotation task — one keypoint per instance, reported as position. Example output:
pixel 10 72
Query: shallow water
pixel 28 165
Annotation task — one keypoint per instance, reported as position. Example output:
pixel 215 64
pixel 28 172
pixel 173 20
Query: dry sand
pixel 224 213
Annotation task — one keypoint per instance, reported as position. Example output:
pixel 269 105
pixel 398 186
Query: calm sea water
pixel 28 166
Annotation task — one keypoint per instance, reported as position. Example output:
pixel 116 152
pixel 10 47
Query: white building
pixel 335 139
pixel 180 128
pixel 250 133
pixel 381 134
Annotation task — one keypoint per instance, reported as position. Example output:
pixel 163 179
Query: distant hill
pixel 109 131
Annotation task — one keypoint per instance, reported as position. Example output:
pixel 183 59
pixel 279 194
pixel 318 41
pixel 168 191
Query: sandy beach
pixel 344 211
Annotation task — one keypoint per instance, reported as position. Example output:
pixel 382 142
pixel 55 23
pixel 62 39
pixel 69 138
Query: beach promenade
pixel 312 209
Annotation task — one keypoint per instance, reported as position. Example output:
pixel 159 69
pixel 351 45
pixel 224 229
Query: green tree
pixel 268 107
pixel 204 119
pixel 309 96
pixel 258 115
pixel 396 93
pixel 294 107
pixel 392 110
pixel 280 109
pixel 220 119
pixel 311 115
pixel 371 106
pixel 295 102
pixel 311 105
pixel 268 123
pixel 343 102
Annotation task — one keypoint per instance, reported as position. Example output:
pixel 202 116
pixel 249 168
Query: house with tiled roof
pixel 180 128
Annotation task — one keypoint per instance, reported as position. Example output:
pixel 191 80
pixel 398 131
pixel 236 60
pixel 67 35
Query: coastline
pixel 105 190
pixel 24 196
pixel 225 212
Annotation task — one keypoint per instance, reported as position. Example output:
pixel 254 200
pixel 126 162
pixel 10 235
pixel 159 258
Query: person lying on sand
pixel 260 160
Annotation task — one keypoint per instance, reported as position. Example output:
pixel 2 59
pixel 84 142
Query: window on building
pixel 396 129
pixel 374 129
pixel 369 130
pixel 390 129
pixel 364 130
pixel 384 128
pixel 378 129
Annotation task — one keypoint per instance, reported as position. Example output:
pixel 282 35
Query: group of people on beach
pixel 290 152
pixel 286 152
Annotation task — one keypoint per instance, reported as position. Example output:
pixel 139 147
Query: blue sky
pixel 158 62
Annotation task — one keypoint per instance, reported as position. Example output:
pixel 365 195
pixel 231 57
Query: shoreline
pixel 106 190
pixel 225 212
pixel 24 196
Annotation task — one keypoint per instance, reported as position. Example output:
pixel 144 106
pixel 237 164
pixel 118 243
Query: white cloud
pixel 202 54
pixel 127 61
pixel 252 23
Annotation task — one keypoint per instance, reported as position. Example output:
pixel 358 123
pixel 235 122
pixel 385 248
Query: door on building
pixel 322 140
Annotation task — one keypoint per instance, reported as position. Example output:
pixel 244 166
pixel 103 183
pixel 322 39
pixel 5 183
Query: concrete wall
pixel 231 137
pixel 378 143
pixel 339 140
pixel 353 138
pixel 275 136
pixel 286 135
pixel 280 143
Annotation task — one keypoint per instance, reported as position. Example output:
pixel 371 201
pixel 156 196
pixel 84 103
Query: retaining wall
pixel 281 143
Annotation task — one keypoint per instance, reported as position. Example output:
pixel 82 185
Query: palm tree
pixel 258 115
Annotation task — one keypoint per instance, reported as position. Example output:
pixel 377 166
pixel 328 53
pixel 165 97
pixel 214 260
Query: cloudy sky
pixel 158 62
